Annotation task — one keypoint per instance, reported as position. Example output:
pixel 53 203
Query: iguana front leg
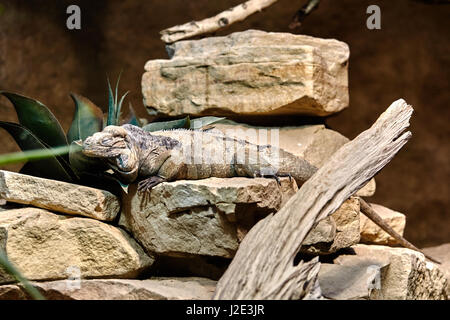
pixel 169 171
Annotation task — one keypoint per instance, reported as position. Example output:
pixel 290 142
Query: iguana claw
pixel 277 177
pixel 147 184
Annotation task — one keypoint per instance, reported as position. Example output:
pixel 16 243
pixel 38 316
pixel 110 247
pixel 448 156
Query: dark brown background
pixel 408 58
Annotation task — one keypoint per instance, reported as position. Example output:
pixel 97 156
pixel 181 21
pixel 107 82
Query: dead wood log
pixel 263 267
pixel 223 19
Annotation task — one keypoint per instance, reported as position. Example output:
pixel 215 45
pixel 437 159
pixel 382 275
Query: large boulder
pixel 249 73
pixel 58 196
pixel 201 217
pixel 117 289
pixel 46 246
pixel 348 282
pixel 209 217
pixel 442 253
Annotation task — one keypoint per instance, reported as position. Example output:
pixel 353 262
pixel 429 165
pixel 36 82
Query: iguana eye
pixel 106 141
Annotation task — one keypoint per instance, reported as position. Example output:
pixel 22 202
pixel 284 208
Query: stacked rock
pixel 65 239
pixel 252 76
pixel 76 242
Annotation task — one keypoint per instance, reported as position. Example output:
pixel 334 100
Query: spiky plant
pixel 50 153
pixel 40 131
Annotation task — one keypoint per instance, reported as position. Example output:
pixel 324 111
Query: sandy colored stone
pixel 314 143
pixel 210 217
pixel 323 232
pixel 47 246
pixel 373 234
pixel 189 288
pixel 11 292
pixel 442 253
pixel 185 217
pixel 368 190
pixel 251 72
pixel 339 230
pixel 58 196
pixel 405 274
pixel 347 282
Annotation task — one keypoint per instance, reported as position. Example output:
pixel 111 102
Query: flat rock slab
pixel 249 73
pixel 373 234
pixel 442 253
pixel 58 196
pixel 47 246
pixel 210 217
pixel 201 217
pixel 314 143
pixel 347 282
pixel 190 288
pixel 405 274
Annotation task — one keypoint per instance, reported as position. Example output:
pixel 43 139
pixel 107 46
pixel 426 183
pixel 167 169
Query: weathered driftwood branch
pixel 215 23
pixel 263 267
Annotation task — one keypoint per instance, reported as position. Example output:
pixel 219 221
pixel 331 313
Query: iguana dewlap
pixel 151 158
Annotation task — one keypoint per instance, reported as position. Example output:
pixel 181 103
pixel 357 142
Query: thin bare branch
pixel 222 20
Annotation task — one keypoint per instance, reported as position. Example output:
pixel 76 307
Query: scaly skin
pixel 178 154
pixel 135 154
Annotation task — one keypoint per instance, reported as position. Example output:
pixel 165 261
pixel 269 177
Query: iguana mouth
pixel 100 152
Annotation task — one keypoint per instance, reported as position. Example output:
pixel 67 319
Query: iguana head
pixel 115 145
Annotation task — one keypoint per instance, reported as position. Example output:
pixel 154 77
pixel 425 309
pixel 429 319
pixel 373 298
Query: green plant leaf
pixel 199 123
pixel 38 119
pixel 114 105
pixel 119 108
pixel 132 118
pixel 111 106
pixel 117 93
pixel 88 119
pixel 167 125
pixel 32 155
pixel 49 167
pixel 12 270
